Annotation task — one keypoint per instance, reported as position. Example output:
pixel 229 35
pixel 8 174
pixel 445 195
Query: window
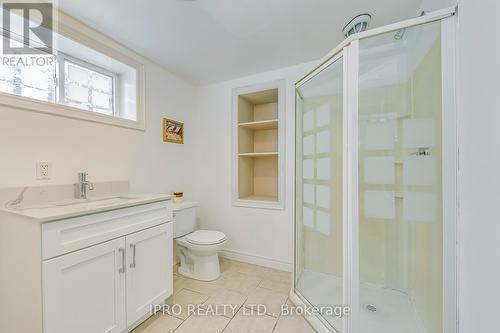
pixel 83 86
pixel 38 82
pixel 86 88
pixel 77 77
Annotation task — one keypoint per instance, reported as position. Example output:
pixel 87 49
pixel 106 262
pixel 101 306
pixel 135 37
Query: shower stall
pixel 375 195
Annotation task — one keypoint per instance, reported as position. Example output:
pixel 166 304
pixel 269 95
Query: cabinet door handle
pixel 122 253
pixel 132 248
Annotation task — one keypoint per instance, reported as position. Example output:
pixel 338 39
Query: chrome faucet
pixel 83 183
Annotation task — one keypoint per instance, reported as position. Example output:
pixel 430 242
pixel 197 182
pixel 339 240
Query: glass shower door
pixel 319 189
pixel 400 182
pixel 376 181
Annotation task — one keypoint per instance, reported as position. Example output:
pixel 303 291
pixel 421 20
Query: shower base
pixel 382 310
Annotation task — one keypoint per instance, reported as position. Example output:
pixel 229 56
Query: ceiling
pixel 208 41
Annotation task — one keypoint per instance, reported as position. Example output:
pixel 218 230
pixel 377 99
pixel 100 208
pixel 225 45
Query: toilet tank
pixel 184 218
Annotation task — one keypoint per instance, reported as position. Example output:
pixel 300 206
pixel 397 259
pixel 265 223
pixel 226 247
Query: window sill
pixel 26 103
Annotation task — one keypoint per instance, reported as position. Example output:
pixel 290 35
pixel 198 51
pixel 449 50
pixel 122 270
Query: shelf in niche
pixel 258 147
pixel 263 154
pixel 260 125
pixel 260 198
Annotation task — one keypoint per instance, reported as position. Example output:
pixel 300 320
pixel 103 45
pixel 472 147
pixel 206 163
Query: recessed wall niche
pixel 258 145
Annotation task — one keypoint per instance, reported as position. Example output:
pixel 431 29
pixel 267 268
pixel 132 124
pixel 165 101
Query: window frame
pixel 85 35
pixel 62 58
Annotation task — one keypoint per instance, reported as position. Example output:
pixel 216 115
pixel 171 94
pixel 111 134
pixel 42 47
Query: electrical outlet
pixel 43 171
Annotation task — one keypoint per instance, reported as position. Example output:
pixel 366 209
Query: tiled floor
pixel 241 287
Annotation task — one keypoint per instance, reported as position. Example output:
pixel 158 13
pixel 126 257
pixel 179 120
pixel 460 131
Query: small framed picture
pixel 173 131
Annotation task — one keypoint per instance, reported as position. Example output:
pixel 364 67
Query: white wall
pixel 479 119
pixel 431 5
pixel 106 152
pixel 264 236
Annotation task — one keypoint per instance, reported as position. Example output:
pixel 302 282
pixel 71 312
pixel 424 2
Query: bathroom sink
pixel 69 202
pixel 70 207
pixel 94 201
pixel 80 204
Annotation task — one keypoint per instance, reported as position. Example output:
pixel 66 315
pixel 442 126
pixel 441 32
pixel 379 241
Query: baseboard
pixel 256 260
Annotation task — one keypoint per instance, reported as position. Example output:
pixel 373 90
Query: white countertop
pixel 59 210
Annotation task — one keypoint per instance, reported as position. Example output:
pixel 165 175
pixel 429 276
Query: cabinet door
pixel 149 270
pixel 84 291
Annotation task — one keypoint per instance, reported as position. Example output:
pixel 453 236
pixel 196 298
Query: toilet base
pixel 199 262
pixel 203 268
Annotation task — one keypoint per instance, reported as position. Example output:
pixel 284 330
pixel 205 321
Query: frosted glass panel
pixel 323 142
pixel 419 133
pixel 35 93
pixel 308 169
pixel 419 170
pixel 379 204
pixel 309 145
pixel 323 196
pixel 419 206
pixel 98 94
pixel 319 188
pixel 101 100
pixel 78 75
pixel 323 115
pixel 308 121
pixel 77 94
pixel 379 136
pixel 400 181
pixel 323 168
pixel 379 170
pixel 36 82
pixel 309 194
pixel 102 83
pixel 323 222
pixel 398 175
pixel 35 78
pixel 308 217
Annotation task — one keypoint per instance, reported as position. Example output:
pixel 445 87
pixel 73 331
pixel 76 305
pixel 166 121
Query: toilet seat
pixel 206 237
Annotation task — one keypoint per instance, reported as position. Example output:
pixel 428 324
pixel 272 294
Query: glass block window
pixel 72 74
pixel 38 82
pixel 88 89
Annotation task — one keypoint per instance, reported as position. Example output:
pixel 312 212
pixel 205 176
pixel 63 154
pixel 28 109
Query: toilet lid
pixel 205 237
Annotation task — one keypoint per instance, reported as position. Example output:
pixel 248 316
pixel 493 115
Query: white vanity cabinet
pixel 96 273
pixel 110 286
pixel 85 291
pixel 149 270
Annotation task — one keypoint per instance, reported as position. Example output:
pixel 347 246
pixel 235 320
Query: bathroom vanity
pixel 84 266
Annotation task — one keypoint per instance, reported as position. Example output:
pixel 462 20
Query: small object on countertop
pixel 178 197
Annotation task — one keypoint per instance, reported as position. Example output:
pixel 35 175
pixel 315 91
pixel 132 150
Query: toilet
pixel 197 250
